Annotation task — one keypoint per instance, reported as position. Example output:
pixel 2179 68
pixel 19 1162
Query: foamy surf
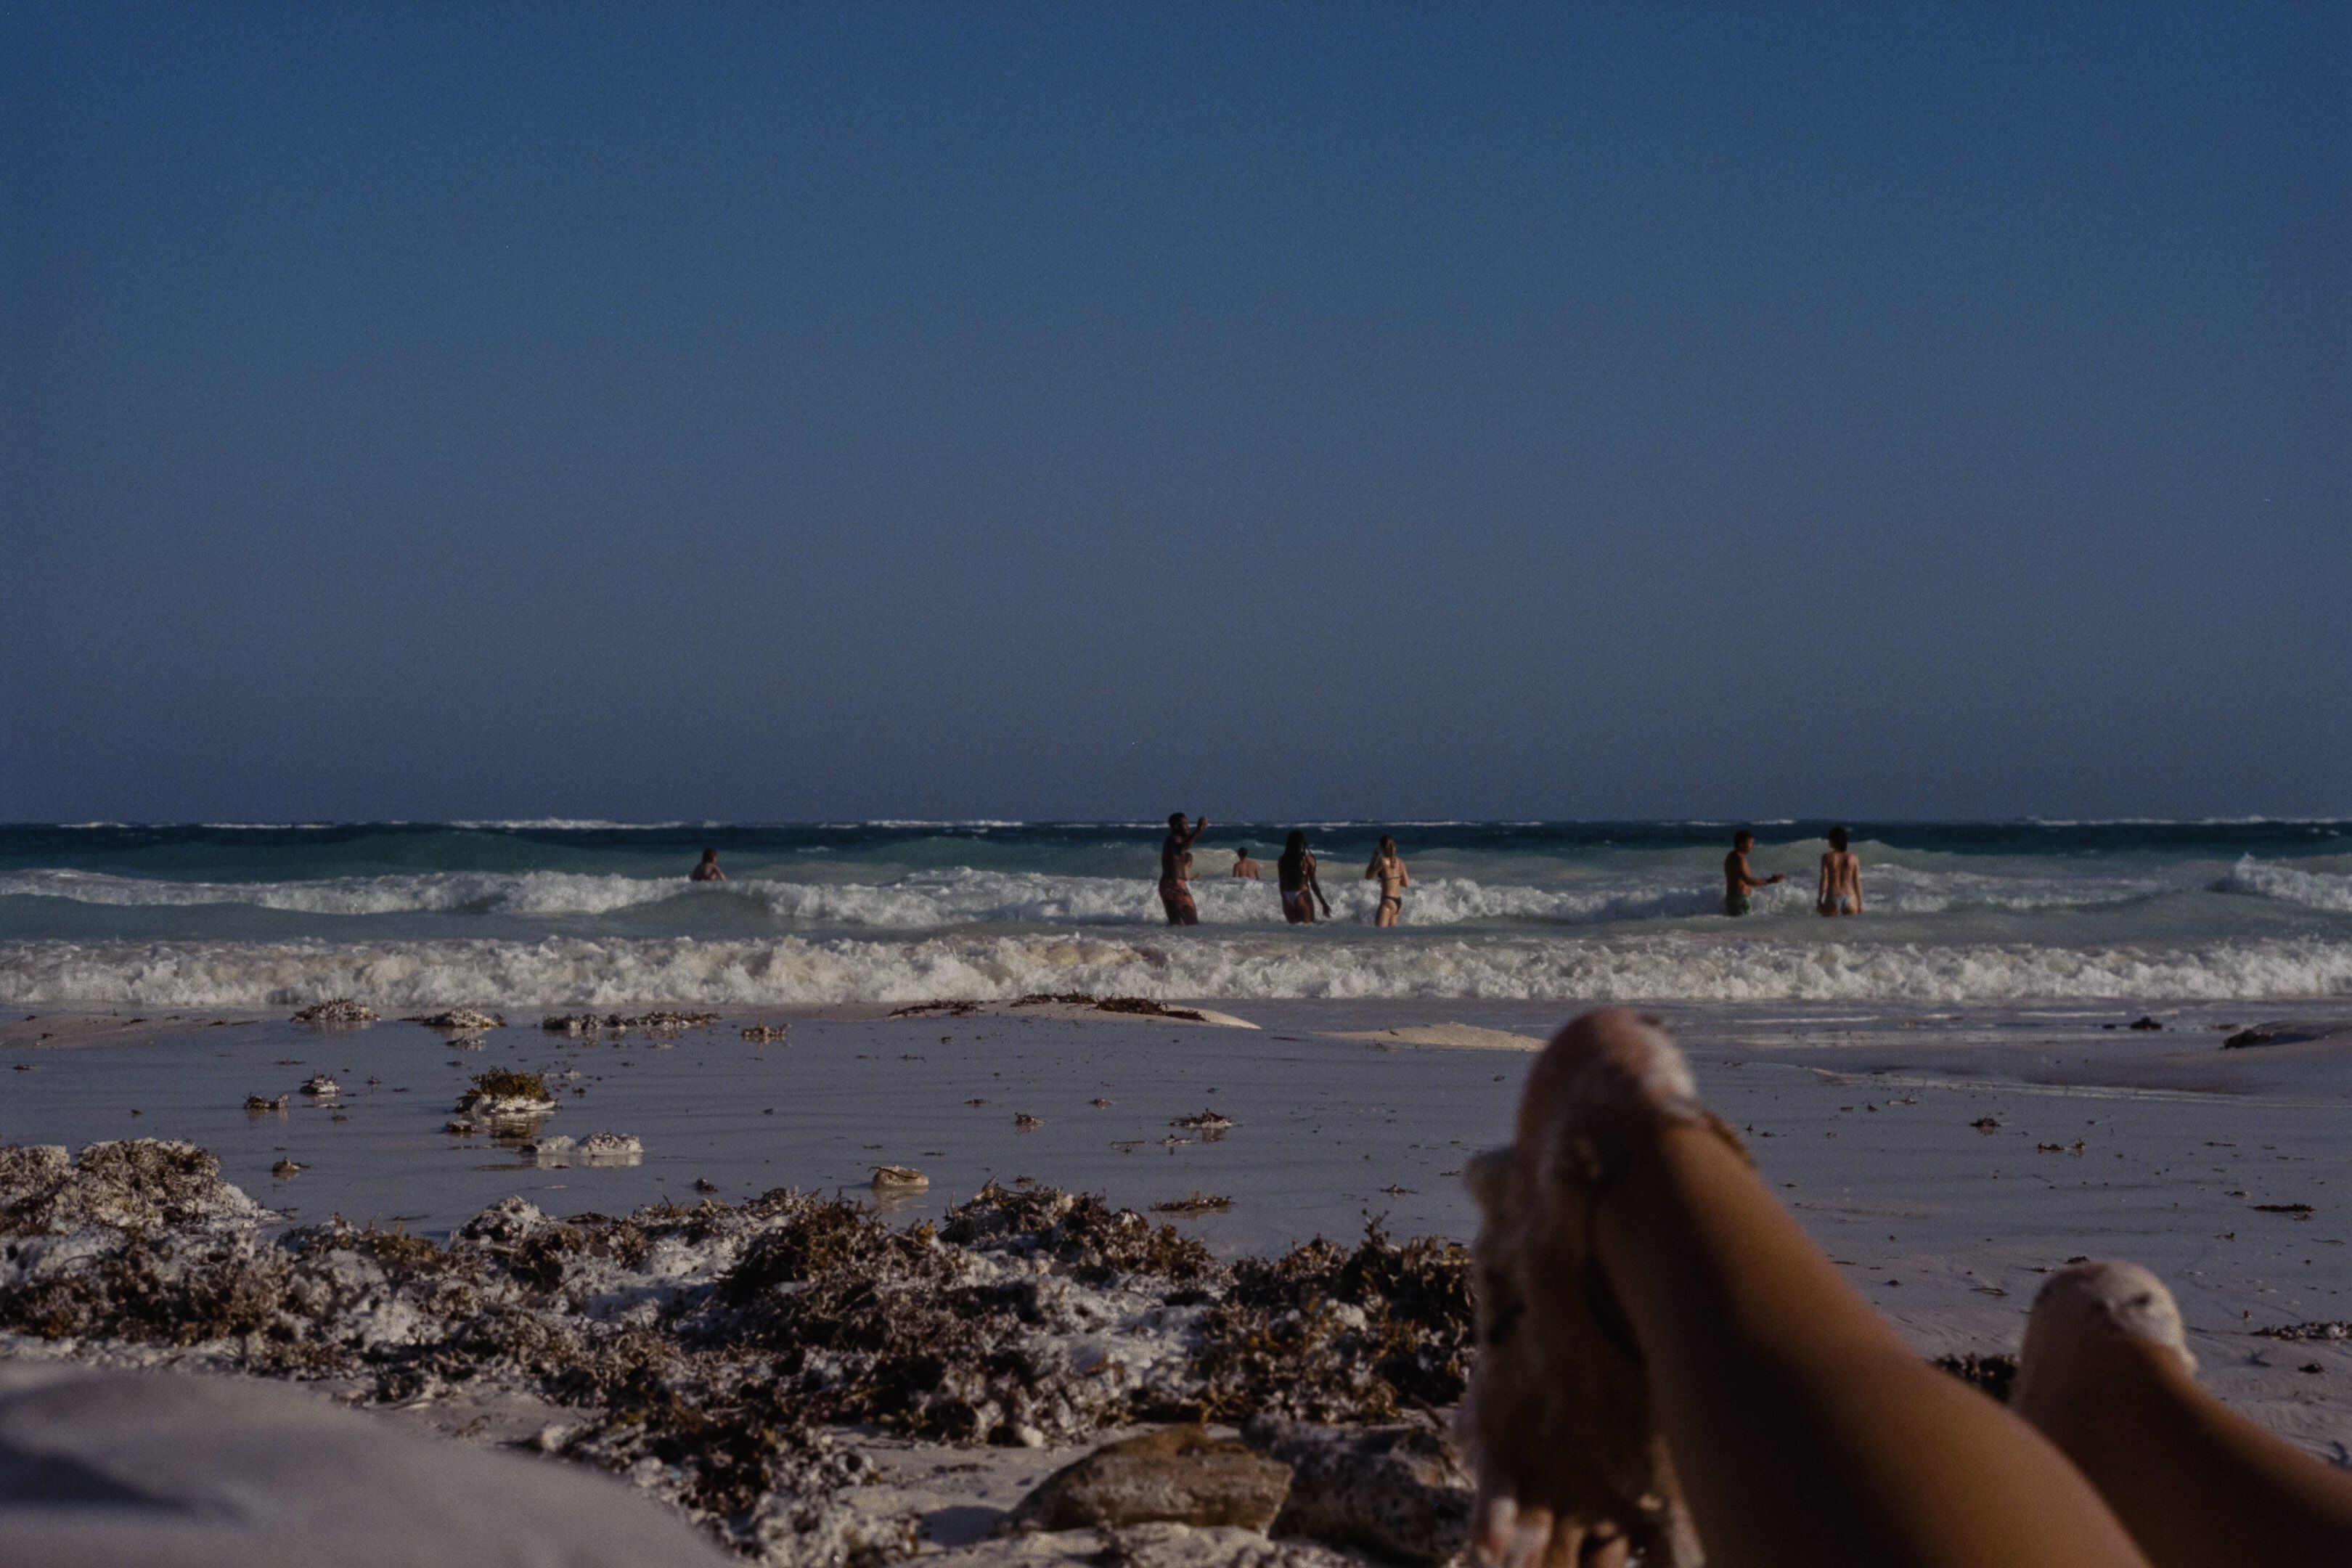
pixel 793 971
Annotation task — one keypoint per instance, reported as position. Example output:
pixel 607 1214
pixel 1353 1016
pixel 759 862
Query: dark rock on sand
pixel 1402 1493
pixel 1181 1475
pixel 2143 1022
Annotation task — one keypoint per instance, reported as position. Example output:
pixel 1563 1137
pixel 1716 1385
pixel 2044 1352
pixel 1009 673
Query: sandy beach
pixel 1947 1160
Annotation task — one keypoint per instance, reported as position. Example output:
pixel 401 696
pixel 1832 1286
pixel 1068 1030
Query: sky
pixel 770 412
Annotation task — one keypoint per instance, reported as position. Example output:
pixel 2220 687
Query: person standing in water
pixel 708 871
pixel 1295 875
pixel 1738 881
pixel 1245 867
pixel 1176 869
pixel 1840 889
pixel 1389 872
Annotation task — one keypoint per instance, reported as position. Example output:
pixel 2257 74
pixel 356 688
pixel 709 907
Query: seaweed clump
pixel 341 1010
pixel 704 1350
pixel 1323 1333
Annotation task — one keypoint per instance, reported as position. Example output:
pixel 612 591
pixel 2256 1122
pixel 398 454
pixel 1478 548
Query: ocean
pixel 556 912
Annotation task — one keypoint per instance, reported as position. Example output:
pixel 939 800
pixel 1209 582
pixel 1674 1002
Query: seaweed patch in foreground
pixel 705 1350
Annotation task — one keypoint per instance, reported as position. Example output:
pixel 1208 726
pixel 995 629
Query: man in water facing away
pixel 1245 867
pixel 1738 881
pixel 708 871
pixel 1839 891
pixel 1176 869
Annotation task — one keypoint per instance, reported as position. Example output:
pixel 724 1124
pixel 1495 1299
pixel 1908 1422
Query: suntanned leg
pixel 1802 1429
pixel 2107 1377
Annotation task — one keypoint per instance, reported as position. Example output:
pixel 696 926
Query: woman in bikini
pixel 1295 874
pixel 1389 871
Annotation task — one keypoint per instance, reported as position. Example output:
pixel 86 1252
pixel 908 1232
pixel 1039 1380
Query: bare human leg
pixel 2107 1377
pixel 1631 1251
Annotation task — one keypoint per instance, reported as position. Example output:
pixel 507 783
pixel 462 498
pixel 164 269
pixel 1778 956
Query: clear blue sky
pixel 808 412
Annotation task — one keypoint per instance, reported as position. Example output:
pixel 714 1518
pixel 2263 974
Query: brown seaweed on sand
pixel 342 1010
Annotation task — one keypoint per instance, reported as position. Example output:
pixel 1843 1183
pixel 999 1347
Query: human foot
pixel 1558 1421
pixel 2091 1322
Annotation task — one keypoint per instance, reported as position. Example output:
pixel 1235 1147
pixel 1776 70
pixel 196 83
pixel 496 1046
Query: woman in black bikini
pixel 1295 876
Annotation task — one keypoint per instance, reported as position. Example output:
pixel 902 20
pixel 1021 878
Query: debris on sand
pixel 2143 1022
pixel 710 1354
pixel 1143 1006
pixel 1206 1121
pixel 2320 1331
pixel 460 1020
pixel 1996 1375
pixel 1025 1123
pixel 342 1010
pixel 502 1094
pixel 659 1023
pixel 1985 1124
pixel 1198 1204
pixel 2300 1211
pixel 319 1086
pixel 612 1149
pixel 767 1033
pixel 267 1102
pixel 571 1023
pixel 285 1170
pixel 1179 1475
pixel 899 1179
pixel 936 1010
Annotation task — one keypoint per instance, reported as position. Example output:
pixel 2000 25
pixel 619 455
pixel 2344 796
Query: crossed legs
pixel 1651 1317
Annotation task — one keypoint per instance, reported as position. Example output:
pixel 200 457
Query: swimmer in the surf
pixel 1176 869
pixel 1738 881
pixel 1244 867
pixel 708 871
pixel 1389 872
pixel 1840 889
pixel 1294 876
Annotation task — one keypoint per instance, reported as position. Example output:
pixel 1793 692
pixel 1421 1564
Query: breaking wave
pixel 799 971
pixel 935 900
pixel 2314 889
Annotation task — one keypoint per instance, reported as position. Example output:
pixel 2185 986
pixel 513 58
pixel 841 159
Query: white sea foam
pixel 932 901
pixel 2267 878
pixel 788 971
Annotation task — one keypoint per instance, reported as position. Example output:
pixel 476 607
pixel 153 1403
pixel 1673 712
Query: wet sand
pixel 2155 1145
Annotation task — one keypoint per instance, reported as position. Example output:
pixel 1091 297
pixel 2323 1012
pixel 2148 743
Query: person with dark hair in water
pixel 707 870
pixel 1738 881
pixel 1840 889
pixel 1176 869
pixel 1294 876
pixel 1245 867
